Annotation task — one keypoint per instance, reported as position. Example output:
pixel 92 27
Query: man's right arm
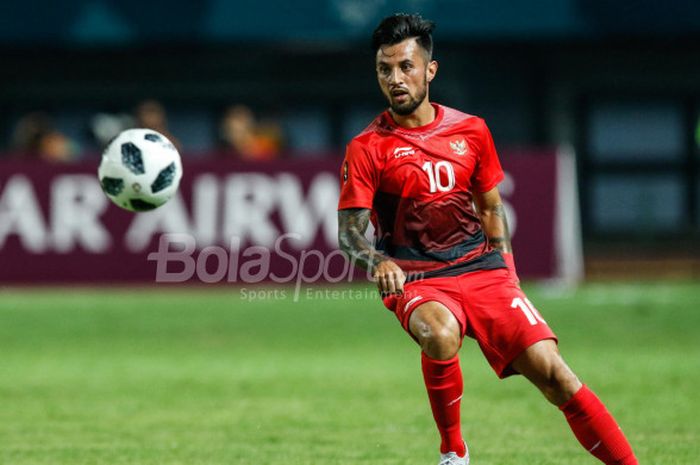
pixel 352 225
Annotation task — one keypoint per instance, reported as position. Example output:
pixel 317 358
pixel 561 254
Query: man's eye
pixel 406 67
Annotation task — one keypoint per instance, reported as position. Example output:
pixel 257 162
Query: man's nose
pixel 396 76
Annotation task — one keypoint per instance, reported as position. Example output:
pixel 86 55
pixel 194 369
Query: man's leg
pixel 592 424
pixel 438 334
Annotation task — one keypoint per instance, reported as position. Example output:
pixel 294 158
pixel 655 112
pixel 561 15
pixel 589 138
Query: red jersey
pixel 419 184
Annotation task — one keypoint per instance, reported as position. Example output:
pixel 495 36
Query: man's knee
pixel 436 329
pixel 546 369
pixel 560 384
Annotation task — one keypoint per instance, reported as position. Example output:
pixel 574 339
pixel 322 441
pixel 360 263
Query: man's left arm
pixel 495 224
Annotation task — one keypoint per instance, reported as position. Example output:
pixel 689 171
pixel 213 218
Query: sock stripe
pixel 596 445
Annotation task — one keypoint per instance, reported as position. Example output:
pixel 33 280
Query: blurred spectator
pixel 151 114
pixel 35 137
pixel 244 138
pixel 106 126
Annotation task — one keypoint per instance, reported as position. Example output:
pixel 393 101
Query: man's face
pixel 403 72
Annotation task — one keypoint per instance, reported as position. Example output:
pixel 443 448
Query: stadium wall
pixel 239 222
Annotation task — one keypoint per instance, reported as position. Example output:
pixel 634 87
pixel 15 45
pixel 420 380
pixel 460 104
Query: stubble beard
pixel 410 106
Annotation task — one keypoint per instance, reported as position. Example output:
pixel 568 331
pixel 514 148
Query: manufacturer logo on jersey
pixel 403 151
pixel 345 172
pixel 459 147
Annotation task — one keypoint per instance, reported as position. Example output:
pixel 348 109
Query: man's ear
pixel 432 70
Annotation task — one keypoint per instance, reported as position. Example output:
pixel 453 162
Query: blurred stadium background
pixel 618 83
pixel 594 106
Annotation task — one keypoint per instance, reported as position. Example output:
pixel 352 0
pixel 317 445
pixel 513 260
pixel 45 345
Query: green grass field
pixel 203 376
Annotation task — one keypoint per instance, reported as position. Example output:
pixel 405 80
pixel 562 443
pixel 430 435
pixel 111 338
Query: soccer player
pixel 426 176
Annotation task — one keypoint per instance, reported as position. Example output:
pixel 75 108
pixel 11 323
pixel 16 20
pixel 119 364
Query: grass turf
pixel 207 376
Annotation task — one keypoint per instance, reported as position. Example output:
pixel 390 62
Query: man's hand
pixel 352 224
pixel 390 278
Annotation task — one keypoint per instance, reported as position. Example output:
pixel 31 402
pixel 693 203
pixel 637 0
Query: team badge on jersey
pixel 345 172
pixel 459 147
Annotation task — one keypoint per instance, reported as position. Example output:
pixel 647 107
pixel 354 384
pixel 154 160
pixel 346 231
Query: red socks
pixel 592 424
pixel 596 429
pixel 443 380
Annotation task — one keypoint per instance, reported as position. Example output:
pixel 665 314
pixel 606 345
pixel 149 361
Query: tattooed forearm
pixel 495 226
pixel 352 224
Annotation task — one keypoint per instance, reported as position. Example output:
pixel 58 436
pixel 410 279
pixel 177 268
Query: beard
pixel 408 107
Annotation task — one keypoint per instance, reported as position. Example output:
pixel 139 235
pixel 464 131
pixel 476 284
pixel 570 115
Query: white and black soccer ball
pixel 140 170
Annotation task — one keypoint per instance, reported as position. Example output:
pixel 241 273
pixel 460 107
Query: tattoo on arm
pixel 352 224
pixel 500 241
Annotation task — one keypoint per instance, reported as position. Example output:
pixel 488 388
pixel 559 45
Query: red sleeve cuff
pixel 492 183
pixel 344 205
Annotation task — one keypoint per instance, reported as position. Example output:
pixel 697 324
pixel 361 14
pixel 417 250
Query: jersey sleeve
pixel 358 178
pixel 488 172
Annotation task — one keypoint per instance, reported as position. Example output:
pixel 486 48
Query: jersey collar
pixel 439 113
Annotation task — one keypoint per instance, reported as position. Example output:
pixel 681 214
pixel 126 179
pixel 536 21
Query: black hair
pixel 401 26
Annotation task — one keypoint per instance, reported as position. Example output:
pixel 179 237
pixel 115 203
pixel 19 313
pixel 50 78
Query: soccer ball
pixel 140 170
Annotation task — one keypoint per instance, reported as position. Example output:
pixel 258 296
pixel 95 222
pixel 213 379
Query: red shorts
pixel 489 306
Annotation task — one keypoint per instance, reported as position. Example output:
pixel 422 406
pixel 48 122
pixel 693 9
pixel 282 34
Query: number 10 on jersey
pixel 441 175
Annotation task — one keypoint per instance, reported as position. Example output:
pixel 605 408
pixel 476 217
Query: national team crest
pixel 459 147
